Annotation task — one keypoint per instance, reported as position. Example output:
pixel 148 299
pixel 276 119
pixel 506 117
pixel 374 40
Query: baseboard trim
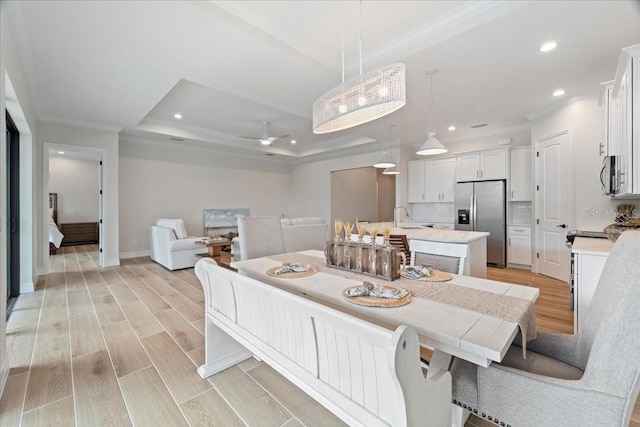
pixel 26 287
pixel 5 367
pixel 113 262
pixel 125 255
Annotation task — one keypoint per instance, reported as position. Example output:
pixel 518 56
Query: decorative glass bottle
pixel 372 253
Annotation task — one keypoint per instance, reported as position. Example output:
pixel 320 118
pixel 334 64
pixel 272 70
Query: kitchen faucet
pixel 395 211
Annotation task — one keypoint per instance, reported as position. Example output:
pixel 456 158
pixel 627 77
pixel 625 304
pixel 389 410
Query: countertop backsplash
pixel 435 212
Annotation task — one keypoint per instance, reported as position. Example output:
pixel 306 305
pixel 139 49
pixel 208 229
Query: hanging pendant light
pixel 386 161
pixel 363 99
pixel 431 146
pixel 391 171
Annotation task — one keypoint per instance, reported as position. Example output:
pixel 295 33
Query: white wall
pixel 311 182
pixel 77 183
pixel 102 140
pixel 14 96
pixel 583 118
pixel 354 195
pixel 172 181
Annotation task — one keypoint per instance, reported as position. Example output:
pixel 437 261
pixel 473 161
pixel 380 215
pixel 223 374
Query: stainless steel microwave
pixel 608 176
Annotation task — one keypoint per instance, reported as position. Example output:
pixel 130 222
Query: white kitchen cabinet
pixel 519 245
pixel 605 96
pixel 431 181
pixel 521 177
pixel 415 181
pixel 440 178
pixel 622 125
pixel 589 257
pixel 482 165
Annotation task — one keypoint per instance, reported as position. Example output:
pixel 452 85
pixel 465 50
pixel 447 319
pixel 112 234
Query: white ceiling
pixel 228 65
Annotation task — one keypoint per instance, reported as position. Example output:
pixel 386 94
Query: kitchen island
pixel 470 246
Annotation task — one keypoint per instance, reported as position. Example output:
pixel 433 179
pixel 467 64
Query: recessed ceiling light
pixel 548 46
pixel 558 92
pixel 177 116
pixel 60 152
pixel 293 141
pixel 452 128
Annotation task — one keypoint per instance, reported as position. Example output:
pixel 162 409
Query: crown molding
pixel 79 123
pixel 464 18
pixel 488 133
pixel 552 107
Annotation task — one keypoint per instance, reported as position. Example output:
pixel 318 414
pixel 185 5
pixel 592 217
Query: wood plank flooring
pixel 120 346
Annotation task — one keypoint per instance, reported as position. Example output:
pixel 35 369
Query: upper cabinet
pixel 482 165
pixel 521 177
pixel 431 180
pixel 440 178
pixel 415 181
pixel 605 96
pixel 622 127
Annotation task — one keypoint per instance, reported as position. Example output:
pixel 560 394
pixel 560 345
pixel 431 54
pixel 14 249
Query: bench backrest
pixel 350 362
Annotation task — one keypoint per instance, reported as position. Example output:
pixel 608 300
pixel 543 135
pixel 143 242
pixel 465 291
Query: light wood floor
pixel 120 346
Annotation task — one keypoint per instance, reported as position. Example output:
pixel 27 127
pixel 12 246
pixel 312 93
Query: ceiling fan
pixel 265 139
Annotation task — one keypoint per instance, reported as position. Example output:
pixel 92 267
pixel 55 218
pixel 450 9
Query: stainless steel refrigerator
pixel 481 206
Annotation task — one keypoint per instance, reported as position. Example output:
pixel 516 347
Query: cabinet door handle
pixel 512 194
pixel 601 148
pixel 509 241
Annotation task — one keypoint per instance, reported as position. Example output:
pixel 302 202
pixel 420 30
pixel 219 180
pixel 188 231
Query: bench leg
pixel 221 351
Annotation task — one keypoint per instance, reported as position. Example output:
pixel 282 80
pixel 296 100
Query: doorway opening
pixel 13 213
pixel 74 175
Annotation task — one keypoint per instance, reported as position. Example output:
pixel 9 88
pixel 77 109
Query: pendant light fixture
pixel 363 99
pixel 386 161
pixel 431 146
pixel 391 171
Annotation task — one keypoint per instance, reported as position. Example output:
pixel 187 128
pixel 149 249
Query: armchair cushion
pixel 177 225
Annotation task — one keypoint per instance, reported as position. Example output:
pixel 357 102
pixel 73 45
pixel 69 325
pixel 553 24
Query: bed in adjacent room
pixel 55 236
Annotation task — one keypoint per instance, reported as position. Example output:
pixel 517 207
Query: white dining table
pixel 448 330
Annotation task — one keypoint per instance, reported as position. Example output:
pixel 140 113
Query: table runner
pixel 518 310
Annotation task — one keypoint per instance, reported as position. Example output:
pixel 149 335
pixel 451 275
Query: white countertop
pixel 417 232
pixel 590 246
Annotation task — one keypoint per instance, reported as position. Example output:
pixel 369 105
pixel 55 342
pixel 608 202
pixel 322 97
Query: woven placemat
pixel 291 274
pixel 378 302
pixel 436 276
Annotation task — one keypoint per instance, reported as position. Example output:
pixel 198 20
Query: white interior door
pixel 553 206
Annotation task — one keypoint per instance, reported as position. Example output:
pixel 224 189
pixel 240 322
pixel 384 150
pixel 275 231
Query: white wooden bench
pixel 365 374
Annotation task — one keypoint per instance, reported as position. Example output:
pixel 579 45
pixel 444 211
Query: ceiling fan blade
pixel 255 138
pixel 277 138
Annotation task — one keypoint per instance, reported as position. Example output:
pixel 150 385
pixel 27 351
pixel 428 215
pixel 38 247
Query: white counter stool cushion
pixel 547 390
pixel 450 264
pixel 260 236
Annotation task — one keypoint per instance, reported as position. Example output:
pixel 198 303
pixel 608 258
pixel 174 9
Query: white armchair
pixel 171 247
pixel 589 379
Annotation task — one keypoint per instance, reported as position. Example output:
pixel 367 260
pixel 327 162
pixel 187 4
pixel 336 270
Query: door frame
pixel 13 191
pixel 101 156
pixel 536 199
